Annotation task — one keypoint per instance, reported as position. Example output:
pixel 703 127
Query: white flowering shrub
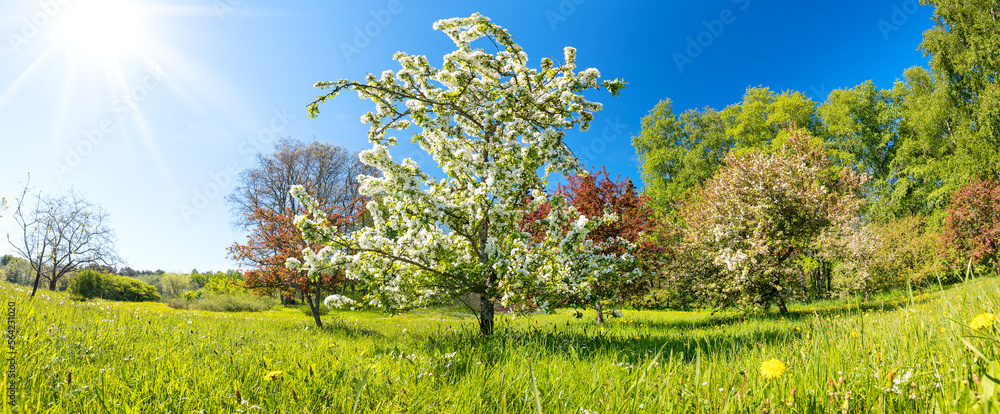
pixel 762 210
pixel 492 124
pixel 338 301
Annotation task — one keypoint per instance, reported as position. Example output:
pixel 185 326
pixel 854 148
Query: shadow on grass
pixel 578 343
pixel 584 340
pixel 796 313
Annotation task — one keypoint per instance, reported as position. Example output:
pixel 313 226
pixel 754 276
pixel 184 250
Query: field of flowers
pixel 935 352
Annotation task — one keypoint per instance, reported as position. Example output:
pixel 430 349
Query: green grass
pixel 118 357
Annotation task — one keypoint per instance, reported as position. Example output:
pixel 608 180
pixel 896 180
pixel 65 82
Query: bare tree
pixel 60 234
pixel 35 233
pixel 328 171
pixel 263 207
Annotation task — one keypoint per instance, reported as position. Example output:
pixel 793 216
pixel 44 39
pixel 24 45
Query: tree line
pixel 927 151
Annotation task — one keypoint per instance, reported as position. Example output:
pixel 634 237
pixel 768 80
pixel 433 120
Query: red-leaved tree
pixel 267 212
pixel 274 240
pixel 972 227
pixel 593 196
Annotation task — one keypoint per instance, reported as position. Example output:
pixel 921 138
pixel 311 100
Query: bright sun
pixel 103 29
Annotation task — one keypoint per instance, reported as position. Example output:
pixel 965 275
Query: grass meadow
pixel 899 353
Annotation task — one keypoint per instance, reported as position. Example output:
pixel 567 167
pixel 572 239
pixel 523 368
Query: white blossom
pixel 489 122
pixel 337 301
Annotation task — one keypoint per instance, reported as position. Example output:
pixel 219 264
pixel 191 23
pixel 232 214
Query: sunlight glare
pixel 101 28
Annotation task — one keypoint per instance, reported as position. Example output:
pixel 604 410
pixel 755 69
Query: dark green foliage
pixel 199 279
pixel 677 153
pixel 90 284
pixel 861 122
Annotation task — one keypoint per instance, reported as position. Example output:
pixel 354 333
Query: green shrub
pixel 179 303
pixel 87 283
pixel 225 284
pixel 224 302
pixel 17 271
pixel 174 284
pixel 91 284
pixel 908 253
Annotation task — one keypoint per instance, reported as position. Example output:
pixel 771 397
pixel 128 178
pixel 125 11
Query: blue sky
pixel 151 108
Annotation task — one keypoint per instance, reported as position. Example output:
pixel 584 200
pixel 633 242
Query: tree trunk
pixel 600 311
pixel 829 280
pixel 781 305
pixel 485 315
pixel 52 283
pixel 315 312
pixel 314 304
pixel 820 280
pixel 38 278
pixel 822 286
pixel 867 293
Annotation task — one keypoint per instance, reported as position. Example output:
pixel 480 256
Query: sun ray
pixel 66 101
pixel 14 86
pixel 150 144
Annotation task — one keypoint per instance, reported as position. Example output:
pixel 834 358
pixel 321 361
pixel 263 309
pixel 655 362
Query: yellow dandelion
pixel 272 375
pixel 943 330
pixel 855 334
pixel 982 320
pixel 772 368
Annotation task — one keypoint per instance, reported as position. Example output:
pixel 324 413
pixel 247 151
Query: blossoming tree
pixel 760 211
pixel 492 124
pixel 593 195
